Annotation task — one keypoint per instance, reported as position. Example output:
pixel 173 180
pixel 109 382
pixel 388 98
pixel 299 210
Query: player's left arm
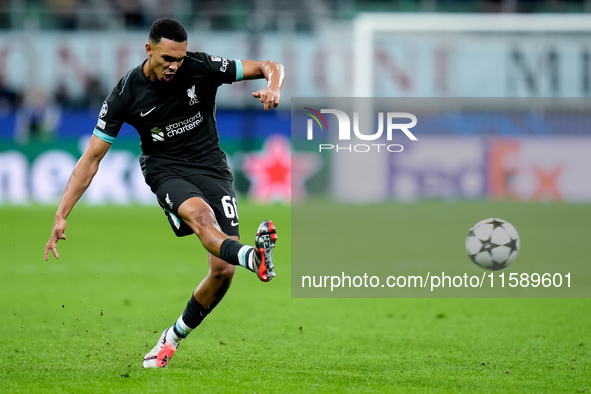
pixel 273 72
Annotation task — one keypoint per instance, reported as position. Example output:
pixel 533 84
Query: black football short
pixel 217 192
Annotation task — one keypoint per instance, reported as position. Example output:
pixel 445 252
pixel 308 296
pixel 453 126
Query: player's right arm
pixel 80 179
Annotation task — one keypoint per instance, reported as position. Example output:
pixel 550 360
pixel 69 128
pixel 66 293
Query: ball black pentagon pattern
pixel 498 266
pixel 513 245
pixel 487 245
pixel 496 223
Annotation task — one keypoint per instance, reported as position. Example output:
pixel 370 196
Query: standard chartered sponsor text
pixel 184 125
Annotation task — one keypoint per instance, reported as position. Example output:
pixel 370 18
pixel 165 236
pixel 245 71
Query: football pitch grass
pixel 84 323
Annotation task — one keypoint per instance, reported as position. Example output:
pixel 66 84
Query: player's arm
pixel 79 181
pixel 273 72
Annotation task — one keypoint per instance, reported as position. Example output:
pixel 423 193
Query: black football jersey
pixel 175 120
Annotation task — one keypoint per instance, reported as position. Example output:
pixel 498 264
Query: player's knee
pixel 223 271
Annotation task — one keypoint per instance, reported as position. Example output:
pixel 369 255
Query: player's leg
pixel 212 289
pixel 213 222
pixel 222 199
pixel 209 210
pixel 201 219
pixel 205 297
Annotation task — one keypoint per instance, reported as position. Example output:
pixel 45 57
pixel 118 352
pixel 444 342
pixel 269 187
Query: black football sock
pixel 192 316
pixel 236 253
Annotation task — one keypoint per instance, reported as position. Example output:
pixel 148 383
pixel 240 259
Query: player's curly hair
pixel 167 28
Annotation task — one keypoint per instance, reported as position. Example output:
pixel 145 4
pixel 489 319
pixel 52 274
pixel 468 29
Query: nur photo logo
pixel 390 122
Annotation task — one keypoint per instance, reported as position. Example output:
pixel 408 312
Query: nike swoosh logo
pixel 142 114
pixel 234 224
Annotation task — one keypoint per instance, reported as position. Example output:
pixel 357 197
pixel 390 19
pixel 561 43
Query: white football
pixel 493 244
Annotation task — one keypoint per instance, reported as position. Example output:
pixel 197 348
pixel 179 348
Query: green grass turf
pixel 83 323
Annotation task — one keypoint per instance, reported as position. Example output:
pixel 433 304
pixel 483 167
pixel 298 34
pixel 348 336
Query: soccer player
pixel 170 100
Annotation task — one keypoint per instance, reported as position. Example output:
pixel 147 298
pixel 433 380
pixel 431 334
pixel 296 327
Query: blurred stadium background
pixel 60 58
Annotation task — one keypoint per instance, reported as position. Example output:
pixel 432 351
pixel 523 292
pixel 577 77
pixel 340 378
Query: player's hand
pixel 269 97
pixel 57 233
